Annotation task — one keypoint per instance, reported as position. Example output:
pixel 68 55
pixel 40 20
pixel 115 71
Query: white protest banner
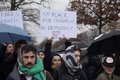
pixel 58 23
pixel 13 18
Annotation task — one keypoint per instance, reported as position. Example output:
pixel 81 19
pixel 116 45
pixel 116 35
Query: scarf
pixel 37 70
pixel 69 60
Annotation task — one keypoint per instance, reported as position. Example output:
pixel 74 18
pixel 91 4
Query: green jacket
pixel 104 76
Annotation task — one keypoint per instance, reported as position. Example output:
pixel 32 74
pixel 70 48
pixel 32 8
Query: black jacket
pixel 2 52
pixel 62 74
pixel 7 66
pixel 49 54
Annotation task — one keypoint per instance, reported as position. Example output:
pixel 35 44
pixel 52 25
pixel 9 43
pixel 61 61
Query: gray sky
pixel 59 4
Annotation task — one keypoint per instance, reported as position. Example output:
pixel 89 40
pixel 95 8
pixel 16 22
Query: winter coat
pixel 14 75
pixel 47 59
pixel 62 74
pixel 48 75
pixel 49 54
pixel 47 62
pixel 7 66
pixel 104 76
pixel 2 52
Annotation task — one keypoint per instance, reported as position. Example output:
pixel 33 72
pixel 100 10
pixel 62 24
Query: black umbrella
pixel 106 44
pixel 81 44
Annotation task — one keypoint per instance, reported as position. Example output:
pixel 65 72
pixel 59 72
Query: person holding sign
pixel 53 60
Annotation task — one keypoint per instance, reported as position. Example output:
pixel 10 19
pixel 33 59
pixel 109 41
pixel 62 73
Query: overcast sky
pixel 59 4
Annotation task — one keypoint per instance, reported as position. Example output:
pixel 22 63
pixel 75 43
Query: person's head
pixel 10 48
pixel 28 56
pixel 75 51
pixel 41 53
pixel 108 64
pixel 19 44
pixel 71 59
pixel 55 60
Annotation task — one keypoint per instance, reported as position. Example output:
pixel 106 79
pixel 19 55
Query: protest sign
pixel 58 23
pixel 13 18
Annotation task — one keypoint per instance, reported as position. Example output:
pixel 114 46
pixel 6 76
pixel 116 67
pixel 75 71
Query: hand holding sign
pixel 50 38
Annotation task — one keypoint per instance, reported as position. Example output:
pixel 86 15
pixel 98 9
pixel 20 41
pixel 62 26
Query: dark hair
pixel 19 43
pixel 72 48
pixel 55 54
pixel 28 48
pixel 9 43
pixel 40 50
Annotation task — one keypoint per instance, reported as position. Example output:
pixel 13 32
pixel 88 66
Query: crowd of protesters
pixel 23 61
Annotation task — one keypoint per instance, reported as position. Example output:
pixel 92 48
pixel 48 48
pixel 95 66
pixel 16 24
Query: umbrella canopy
pixel 9 34
pixel 106 44
pixel 81 44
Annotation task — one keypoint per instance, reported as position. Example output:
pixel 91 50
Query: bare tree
pixel 15 4
pixel 96 12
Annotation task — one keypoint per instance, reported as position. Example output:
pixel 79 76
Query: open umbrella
pixel 106 44
pixel 10 34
